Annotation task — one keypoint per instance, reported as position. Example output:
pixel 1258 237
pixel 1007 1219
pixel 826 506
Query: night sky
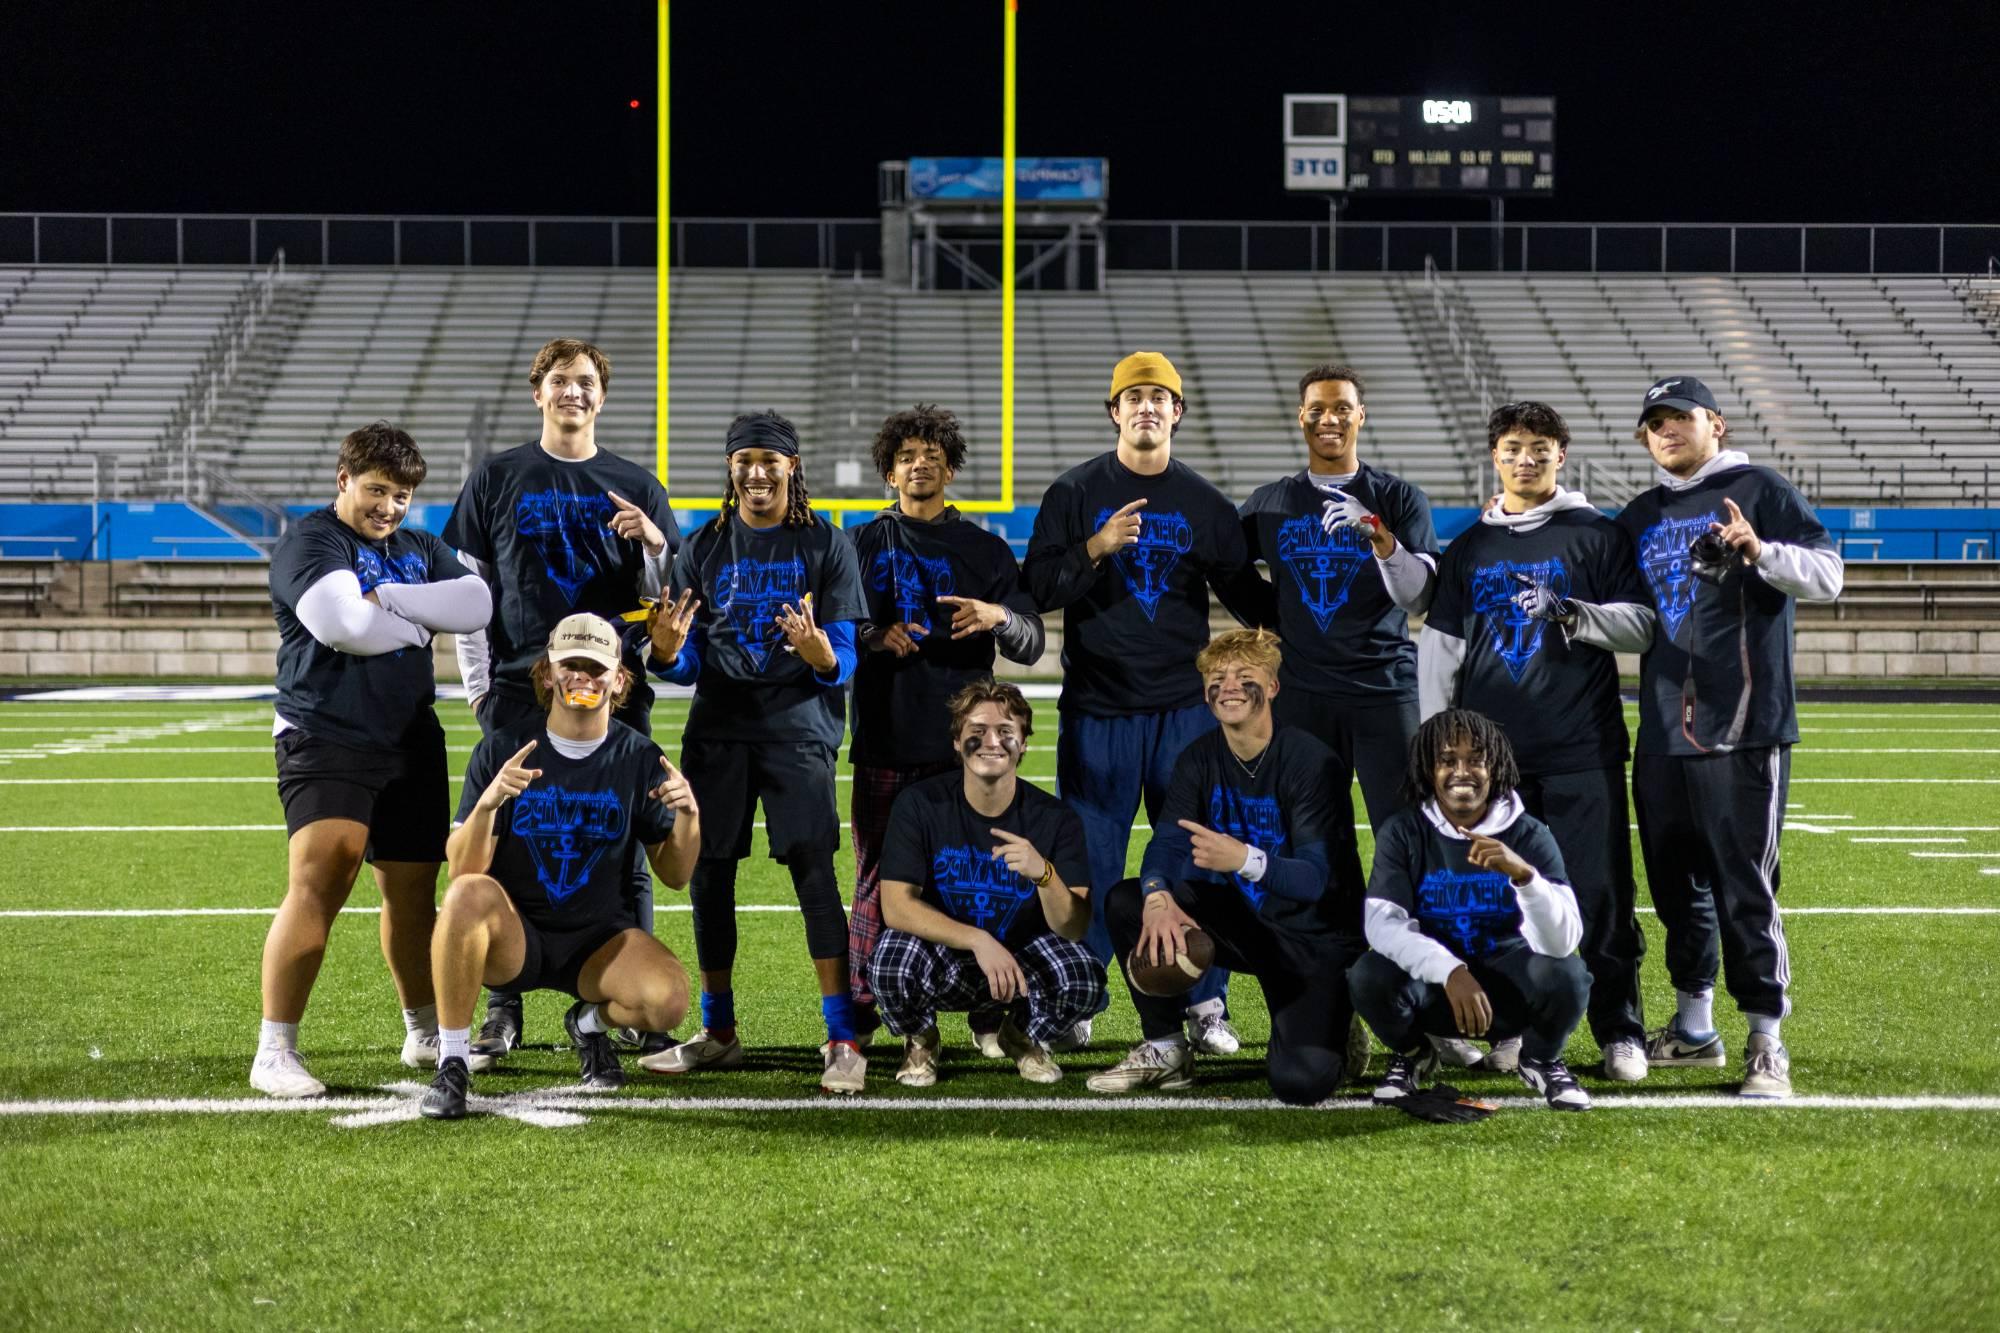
pixel 1745 112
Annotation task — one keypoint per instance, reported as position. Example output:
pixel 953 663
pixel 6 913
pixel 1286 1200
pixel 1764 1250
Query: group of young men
pixel 1500 905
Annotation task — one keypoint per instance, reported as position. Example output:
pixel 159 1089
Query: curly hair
pixel 798 500
pixel 1526 418
pixel 1439 732
pixel 927 422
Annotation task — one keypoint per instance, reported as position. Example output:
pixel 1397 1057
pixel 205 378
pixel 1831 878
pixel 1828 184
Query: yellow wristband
pixel 1048 874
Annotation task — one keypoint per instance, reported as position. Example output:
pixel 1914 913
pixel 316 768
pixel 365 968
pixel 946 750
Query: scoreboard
pixel 1420 145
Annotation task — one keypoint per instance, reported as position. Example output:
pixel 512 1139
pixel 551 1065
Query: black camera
pixel 1712 557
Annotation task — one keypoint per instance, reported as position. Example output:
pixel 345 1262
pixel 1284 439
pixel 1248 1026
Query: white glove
pixel 1342 510
pixel 1539 601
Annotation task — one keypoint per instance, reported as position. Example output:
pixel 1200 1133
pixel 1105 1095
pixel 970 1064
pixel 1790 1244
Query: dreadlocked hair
pixel 798 500
pixel 1440 731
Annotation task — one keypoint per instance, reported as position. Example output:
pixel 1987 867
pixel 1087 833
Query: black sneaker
pixel 445 1098
pixel 599 1062
pixel 1406 1073
pixel 1553 1080
pixel 499 1034
pixel 637 1042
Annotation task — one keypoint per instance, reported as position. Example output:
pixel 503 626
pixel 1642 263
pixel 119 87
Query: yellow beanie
pixel 1145 368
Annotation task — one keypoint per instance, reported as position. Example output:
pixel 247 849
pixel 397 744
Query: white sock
pixel 1695 1013
pixel 278 1036
pixel 423 1019
pixel 591 1020
pixel 1173 1043
pixel 1205 1009
pixel 1766 1024
pixel 453 1043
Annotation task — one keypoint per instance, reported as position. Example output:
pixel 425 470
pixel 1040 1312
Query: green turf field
pixel 986 1202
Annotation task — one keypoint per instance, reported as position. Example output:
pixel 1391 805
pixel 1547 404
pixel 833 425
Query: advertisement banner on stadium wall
pixel 1069 180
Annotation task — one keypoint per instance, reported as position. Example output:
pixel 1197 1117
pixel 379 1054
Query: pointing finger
pixel 1735 514
pixel 621 501
pixel 1129 509
pixel 1191 826
pixel 522 753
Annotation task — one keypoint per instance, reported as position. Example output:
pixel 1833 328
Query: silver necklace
pixel 1250 766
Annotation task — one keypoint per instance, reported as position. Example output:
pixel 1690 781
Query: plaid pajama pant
pixel 916 979
pixel 875 791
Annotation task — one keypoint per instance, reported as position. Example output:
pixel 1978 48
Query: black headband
pixel 763 432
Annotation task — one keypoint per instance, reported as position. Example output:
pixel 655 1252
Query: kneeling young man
pixel 1255 844
pixel 542 864
pixel 1472 927
pixel 978 915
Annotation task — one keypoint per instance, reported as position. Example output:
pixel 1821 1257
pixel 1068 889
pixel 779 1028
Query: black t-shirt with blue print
pixel 1719 672
pixel 900 717
pixel 568 847
pixel 1469 910
pixel 358 701
pixel 539 525
pixel 938 841
pixel 1557 700
pixel 1133 622
pixel 751 687
pixel 1294 807
pixel 1344 635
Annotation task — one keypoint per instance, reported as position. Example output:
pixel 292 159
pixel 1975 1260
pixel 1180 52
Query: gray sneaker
pixel 1671 1046
pixel 1504 1057
pixel 700 1051
pixel 1211 1034
pixel 846 1068
pixel 1767 1069
pixel 1457 1052
pixel 920 1056
pixel 1031 1058
pixel 1625 1060
pixel 1169 1068
pixel 1075 1039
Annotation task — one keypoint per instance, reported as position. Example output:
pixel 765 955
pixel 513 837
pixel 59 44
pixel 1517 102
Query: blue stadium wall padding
pixel 123 531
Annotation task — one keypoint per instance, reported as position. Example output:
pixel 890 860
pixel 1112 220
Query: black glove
pixel 1442 1104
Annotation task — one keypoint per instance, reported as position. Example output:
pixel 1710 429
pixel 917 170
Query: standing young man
pixel 986 897
pixel 553 816
pixel 1532 601
pixel 763 628
pixel 1352 557
pixel 1726 548
pixel 361 758
pixel 1255 845
pixel 1472 927
pixel 1126 546
pixel 556 526
pixel 944 597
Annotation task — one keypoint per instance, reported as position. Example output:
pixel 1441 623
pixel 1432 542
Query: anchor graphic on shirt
pixel 1323 564
pixel 1149 563
pixel 979 890
pixel 748 594
pixel 556 524
pixel 914 580
pixel 567 833
pixel 1516 636
pixel 1663 558
pixel 1255 820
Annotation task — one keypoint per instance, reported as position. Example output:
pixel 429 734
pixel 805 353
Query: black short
pixel 553 959
pixel 793 778
pixel 402 794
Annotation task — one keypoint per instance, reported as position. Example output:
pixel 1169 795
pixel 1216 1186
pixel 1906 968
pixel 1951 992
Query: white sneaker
pixel 988 1045
pixel 420 1049
pixel 278 1073
pixel 1075 1039
pixel 1147 1065
pixel 1031 1058
pixel 920 1054
pixel 1767 1068
pixel 1504 1057
pixel 846 1068
pixel 1211 1034
pixel 1625 1060
pixel 1457 1052
pixel 700 1051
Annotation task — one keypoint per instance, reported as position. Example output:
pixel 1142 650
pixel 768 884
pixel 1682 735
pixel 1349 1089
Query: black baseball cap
pixel 1682 391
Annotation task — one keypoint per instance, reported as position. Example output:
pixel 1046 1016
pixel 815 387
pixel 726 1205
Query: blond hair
pixel 1251 647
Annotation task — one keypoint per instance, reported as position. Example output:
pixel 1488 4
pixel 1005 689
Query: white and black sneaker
pixel 1674 1048
pixel 1557 1085
pixel 1406 1074
pixel 499 1034
pixel 445 1098
pixel 597 1062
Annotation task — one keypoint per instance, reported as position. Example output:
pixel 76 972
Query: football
pixel 1178 975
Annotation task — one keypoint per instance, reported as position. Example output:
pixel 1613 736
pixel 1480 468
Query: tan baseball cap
pixel 586 636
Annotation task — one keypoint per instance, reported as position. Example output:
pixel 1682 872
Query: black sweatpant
pixel 1534 997
pixel 712 893
pixel 1370 739
pixel 1709 827
pixel 1303 975
pixel 1588 814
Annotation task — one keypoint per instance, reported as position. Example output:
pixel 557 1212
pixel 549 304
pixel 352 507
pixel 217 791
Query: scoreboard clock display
pixel 1420 144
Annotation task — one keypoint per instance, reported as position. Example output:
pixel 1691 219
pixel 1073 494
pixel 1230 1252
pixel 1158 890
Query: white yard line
pixel 1958 840
pixel 1961 856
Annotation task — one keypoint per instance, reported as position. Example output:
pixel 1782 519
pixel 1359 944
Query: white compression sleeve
pixel 334 612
